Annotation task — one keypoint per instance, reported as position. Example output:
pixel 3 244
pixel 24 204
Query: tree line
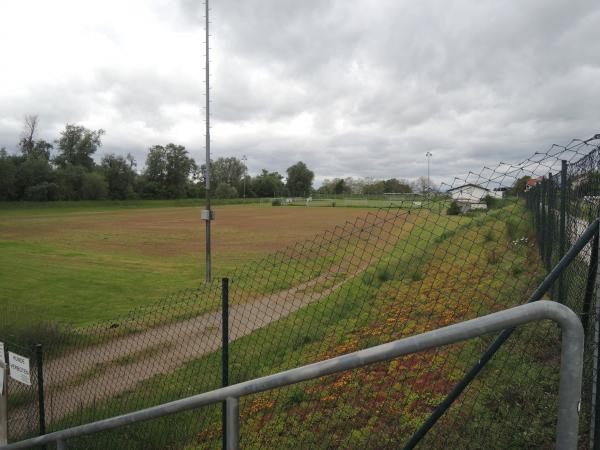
pixel 65 169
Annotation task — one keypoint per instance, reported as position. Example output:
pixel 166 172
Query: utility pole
pixel 207 213
pixel 428 155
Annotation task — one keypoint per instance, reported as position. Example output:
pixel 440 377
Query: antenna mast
pixel 207 214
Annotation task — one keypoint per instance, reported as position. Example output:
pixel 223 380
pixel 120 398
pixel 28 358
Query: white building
pixel 471 196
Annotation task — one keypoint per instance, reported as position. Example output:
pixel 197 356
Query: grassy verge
pixel 447 270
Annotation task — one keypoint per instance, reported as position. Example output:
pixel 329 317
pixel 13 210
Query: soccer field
pixel 80 264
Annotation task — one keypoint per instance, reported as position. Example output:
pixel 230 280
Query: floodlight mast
pixel 428 155
pixel 207 214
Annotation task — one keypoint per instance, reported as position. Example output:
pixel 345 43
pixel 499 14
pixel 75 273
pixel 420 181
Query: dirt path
pixel 84 377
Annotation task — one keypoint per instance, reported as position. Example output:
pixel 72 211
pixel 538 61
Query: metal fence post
pixel 39 356
pixel 562 239
pixel 549 222
pixel 3 402
pixel 590 284
pixel 543 221
pixel 225 353
pixel 595 410
pixel 233 423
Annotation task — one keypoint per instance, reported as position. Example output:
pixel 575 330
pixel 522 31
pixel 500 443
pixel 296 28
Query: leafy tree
pixel 520 185
pixel 423 185
pixel 76 146
pixel 31 172
pixel 374 188
pixel 396 186
pixel 8 174
pixel 30 148
pixel 225 190
pixel 340 187
pixel 267 184
pixel 169 169
pixel 227 170
pixel 299 179
pixel 120 176
pixel 42 192
pixel 93 186
pixel 70 182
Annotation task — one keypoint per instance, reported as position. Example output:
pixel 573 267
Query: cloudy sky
pixel 351 87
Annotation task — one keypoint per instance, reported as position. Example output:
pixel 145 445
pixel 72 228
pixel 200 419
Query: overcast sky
pixel 351 87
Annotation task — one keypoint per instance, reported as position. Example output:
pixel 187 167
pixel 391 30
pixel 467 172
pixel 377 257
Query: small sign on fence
pixel 19 368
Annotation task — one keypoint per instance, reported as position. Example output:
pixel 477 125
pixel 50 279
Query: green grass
pixel 84 262
pixel 509 406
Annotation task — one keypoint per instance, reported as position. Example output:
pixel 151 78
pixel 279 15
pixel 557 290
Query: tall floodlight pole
pixel 428 155
pixel 207 214
pixel 245 169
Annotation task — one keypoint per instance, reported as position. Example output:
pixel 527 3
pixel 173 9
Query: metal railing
pixel 569 388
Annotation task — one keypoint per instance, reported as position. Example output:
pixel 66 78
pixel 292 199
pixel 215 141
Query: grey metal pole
pixel 233 423
pixel 207 214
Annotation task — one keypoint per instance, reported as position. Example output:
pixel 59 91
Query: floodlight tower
pixel 428 155
pixel 207 213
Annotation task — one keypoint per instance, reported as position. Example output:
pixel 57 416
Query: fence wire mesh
pixel 427 262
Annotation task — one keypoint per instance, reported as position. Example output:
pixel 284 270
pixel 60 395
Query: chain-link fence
pixel 392 273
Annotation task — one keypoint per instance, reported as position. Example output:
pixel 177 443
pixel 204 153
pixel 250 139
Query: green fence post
pixel 549 222
pixel 543 205
pixel 225 351
pixel 562 238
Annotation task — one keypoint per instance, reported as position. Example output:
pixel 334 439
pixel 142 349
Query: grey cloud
pixel 473 82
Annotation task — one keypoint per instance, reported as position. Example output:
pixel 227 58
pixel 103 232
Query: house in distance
pixel 472 196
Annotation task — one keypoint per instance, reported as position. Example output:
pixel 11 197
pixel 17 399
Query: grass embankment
pixel 446 271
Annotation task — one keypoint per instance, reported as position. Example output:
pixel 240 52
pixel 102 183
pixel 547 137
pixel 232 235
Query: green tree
pixel 374 188
pixel 520 185
pixel 267 184
pixel 8 176
pixel 225 190
pixel 30 173
pixel 299 179
pixel 396 186
pixel 76 146
pixel 120 176
pixel 31 148
pixel 227 170
pixel 93 186
pixel 168 171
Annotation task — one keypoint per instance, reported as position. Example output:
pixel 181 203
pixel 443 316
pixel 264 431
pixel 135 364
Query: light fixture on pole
pixel 428 155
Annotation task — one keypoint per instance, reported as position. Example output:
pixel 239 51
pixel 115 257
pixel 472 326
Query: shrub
pixel 453 209
pixel 276 202
pixel 225 190
pixel 512 228
pixel 93 186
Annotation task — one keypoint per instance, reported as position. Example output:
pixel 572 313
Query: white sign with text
pixel 19 368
